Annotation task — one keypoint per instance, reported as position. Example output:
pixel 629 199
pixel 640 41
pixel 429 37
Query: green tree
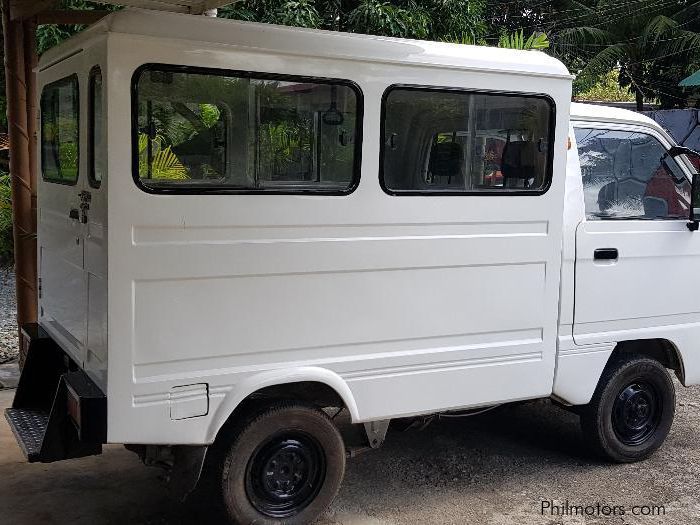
pixel 49 36
pixel 648 40
pixel 449 20
pixel 607 89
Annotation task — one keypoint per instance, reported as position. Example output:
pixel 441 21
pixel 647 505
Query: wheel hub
pixel 285 471
pixel 636 413
pixel 285 474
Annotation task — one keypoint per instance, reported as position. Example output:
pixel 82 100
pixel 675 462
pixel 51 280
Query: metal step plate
pixel 29 427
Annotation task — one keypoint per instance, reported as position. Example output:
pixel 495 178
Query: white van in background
pixel 244 227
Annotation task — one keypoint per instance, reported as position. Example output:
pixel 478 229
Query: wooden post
pixel 24 213
pixel 31 60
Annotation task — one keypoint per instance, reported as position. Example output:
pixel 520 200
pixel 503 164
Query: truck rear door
pixel 61 230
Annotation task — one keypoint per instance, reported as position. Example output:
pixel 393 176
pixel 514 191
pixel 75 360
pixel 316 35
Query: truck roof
pixel 311 42
pixel 600 113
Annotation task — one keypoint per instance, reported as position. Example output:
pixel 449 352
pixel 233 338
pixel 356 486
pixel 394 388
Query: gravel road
pixel 8 315
pixel 491 469
pixel 499 468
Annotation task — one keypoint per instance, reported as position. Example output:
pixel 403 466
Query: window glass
pixel 627 175
pixel 441 142
pixel 97 157
pixel 214 131
pixel 59 131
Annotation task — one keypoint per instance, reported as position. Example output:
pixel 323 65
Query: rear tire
pixel 284 465
pixel 631 411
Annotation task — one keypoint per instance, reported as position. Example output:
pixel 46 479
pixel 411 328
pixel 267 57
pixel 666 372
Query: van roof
pixel 600 113
pixel 311 42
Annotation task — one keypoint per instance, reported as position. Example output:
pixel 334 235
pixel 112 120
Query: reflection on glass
pixel 628 175
pixel 59 131
pixel 451 141
pixel 206 130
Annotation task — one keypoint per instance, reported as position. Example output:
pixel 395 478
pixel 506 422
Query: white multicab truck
pixel 242 226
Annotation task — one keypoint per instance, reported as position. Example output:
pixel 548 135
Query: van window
pixel 59 131
pixel 457 142
pixel 97 158
pixel 627 175
pixel 203 130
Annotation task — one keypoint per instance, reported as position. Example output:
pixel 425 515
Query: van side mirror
pixel 694 212
pixel 694 219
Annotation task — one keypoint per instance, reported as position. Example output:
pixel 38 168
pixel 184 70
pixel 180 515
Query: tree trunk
pixel 640 99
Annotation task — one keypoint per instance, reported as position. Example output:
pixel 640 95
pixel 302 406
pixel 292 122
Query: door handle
pixel 74 214
pixel 605 254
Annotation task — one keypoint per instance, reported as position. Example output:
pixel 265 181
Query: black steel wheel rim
pixel 636 413
pixel 285 474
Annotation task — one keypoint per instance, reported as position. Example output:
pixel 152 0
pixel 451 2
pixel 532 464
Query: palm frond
pixel 583 36
pixel 605 60
pixel 658 27
pixel 516 40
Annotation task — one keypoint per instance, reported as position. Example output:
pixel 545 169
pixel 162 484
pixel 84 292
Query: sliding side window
pixel 203 130
pixel 59 131
pixel 445 141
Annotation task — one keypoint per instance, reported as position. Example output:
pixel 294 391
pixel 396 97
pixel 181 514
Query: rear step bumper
pixel 58 412
pixel 29 427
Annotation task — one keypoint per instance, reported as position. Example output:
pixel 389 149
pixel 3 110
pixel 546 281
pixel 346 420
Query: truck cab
pixel 245 230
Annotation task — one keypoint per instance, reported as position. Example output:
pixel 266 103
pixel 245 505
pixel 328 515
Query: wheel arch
pixel 579 372
pixel 662 350
pixel 294 383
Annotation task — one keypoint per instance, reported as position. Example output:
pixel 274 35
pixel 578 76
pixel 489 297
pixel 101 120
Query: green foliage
pixel 653 42
pixel 5 219
pixel 607 89
pixel 282 143
pixel 299 13
pixel 517 40
pixel 164 166
pixel 448 20
pixel 50 35
pixel 379 18
pixel 209 114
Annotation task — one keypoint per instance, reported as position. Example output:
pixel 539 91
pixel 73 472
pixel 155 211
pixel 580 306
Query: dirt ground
pixel 496 468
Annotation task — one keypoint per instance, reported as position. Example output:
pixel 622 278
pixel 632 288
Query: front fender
pixel 268 378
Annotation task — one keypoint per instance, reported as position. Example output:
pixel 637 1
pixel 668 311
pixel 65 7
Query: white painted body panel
pixel 412 304
pixel 402 305
pixel 648 293
pixel 578 366
pixel 73 255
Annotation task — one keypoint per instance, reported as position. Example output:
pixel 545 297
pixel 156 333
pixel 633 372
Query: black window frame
pixel 70 79
pixel 549 174
pixel 96 70
pixel 170 68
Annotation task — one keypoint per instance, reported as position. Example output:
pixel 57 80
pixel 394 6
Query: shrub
pixel 5 220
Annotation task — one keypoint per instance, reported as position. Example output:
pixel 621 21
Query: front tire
pixel 631 411
pixel 285 465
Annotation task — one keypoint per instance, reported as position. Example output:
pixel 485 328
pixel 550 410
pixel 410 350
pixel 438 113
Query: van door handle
pixel 605 254
pixel 74 214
